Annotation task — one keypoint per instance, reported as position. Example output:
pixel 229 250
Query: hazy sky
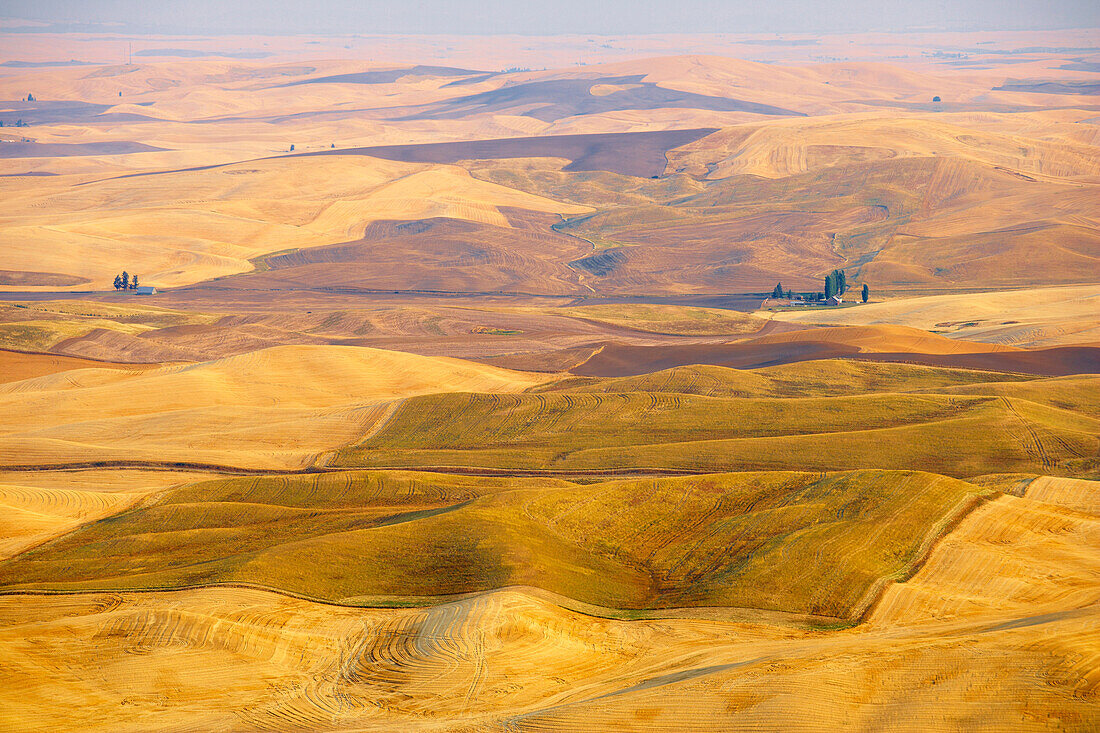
pixel 603 17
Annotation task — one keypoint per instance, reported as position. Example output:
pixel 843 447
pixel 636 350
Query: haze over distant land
pixel 946 49
pixel 482 17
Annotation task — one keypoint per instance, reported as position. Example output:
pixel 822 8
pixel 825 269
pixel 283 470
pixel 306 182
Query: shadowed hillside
pixel 639 154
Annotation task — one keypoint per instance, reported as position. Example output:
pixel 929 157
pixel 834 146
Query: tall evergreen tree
pixel 830 288
pixel 133 283
pixel 841 282
pixel 125 279
pixel 866 292
pixel 777 291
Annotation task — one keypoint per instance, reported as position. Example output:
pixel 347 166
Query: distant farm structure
pixel 835 287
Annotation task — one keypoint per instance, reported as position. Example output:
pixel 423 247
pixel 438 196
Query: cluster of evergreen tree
pixel 126 281
pixel 779 292
pixel 835 284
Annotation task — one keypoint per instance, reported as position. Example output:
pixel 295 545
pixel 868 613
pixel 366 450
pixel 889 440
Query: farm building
pixel 146 290
pixel 833 300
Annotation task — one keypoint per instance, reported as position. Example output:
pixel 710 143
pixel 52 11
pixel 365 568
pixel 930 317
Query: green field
pixel 711 419
pixel 782 541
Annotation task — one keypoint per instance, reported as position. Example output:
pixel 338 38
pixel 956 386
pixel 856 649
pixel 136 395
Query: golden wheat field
pixel 468 382
pixel 982 636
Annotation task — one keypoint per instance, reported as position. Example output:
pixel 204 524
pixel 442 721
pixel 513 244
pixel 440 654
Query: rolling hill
pixel 462 404
pixel 233 214
pixel 594 432
pixel 747 540
pixel 379 668
pixel 273 408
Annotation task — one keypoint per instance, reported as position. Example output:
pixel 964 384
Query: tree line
pixel 836 283
pixel 126 281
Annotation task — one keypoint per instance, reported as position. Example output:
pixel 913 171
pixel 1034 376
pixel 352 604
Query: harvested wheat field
pixel 285 662
pixel 263 409
pixel 18 366
pixel 43 505
pixel 468 368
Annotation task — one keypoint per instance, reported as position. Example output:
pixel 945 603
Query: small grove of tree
pixel 835 284
pixel 866 292
pixel 30 98
pixel 777 291
pixel 126 282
